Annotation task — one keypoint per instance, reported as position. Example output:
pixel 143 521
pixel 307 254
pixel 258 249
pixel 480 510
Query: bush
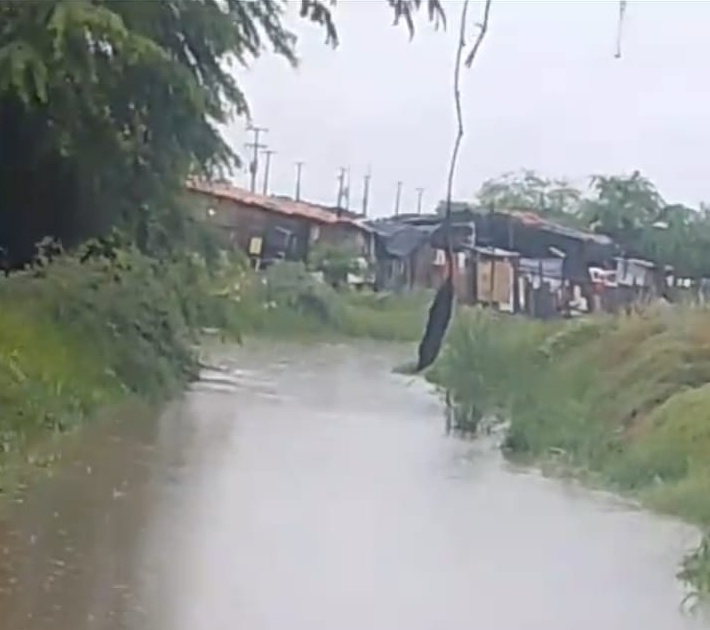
pixel 289 300
pixel 335 263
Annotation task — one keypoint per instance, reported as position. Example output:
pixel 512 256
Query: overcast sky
pixel 545 93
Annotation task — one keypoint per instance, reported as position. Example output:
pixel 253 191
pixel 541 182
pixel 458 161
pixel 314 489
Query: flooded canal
pixel 315 490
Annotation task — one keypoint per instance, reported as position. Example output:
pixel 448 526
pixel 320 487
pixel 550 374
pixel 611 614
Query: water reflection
pixel 307 489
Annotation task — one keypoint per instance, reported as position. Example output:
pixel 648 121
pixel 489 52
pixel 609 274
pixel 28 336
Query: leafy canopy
pixel 106 106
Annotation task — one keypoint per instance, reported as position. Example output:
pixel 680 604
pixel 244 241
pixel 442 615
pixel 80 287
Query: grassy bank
pixel 624 400
pixel 288 301
pixel 77 338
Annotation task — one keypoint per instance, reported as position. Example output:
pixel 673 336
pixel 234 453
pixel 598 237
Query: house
pixel 269 228
pixel 635 272
pixel 410 252
pixel 634 280
pixel 554 259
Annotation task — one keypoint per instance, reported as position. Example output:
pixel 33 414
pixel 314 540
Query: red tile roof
pixel 283 206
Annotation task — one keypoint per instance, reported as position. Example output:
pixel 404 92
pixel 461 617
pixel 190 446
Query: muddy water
pixel 314 490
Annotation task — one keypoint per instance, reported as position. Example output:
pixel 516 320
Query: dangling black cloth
pixel 438 322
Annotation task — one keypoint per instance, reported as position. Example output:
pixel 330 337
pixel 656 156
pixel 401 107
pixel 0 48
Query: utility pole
pixel 299 168
pixel 347 189
pixel 420 193
pixel 366 191
pixel 268 153
pixel 255 146
pixel 398 198
pixel 341 187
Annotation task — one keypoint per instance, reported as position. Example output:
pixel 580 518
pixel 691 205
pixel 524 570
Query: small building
pixel 495 282
pixel 635 272
pixel 635 280
pixel 410 252
pixel 554 258
pixel 269 228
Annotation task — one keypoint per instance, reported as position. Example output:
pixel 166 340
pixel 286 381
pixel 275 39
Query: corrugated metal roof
pixel 533 219
pixel 281 205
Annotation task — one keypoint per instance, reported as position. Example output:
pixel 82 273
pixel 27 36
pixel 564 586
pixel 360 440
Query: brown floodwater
pixel 312 489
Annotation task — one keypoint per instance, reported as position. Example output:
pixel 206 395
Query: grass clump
pixel 627 399
pixel 287 300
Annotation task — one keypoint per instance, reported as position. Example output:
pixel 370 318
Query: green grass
pixel 626 400
pixel 289 302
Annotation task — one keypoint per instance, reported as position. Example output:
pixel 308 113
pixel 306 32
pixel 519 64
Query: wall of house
pixel 631 273
pixel 495 282
pixel 437 270
pixel 243 222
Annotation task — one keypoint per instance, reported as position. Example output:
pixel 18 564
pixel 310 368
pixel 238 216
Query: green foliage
pixel 387 317
pixel 140 315
pixel 625 399
pixel 334 262
pixel 288 300
pixel 76 337
pixel 529 191
pixel 627 208
pixel 291 288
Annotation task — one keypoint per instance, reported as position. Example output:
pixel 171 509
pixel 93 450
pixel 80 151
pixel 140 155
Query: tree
pixel 621 204
pixel 107 106
pixel 526 190
pixel 630 210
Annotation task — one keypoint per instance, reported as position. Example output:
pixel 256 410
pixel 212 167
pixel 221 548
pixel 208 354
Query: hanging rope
pixel 442 306
pixel 620 28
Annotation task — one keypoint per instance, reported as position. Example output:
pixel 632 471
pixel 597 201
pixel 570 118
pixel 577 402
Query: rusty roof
pixel 532 219
pixel 280 205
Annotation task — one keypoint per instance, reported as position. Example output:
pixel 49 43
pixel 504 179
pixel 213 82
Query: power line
pixel 254 166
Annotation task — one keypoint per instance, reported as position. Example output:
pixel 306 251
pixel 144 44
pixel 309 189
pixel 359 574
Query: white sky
pixel 545 93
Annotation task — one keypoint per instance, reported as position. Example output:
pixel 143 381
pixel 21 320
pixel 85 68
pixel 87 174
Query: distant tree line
pixel 627 208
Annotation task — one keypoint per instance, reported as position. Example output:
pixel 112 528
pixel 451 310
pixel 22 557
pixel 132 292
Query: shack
pixel 410 252
pixel 636 280
pixel 272 228
pixel 495 281
pixel 554 258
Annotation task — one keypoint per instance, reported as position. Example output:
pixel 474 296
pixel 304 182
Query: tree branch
pixel 483 29
pixel 620 28
pixel 442 306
